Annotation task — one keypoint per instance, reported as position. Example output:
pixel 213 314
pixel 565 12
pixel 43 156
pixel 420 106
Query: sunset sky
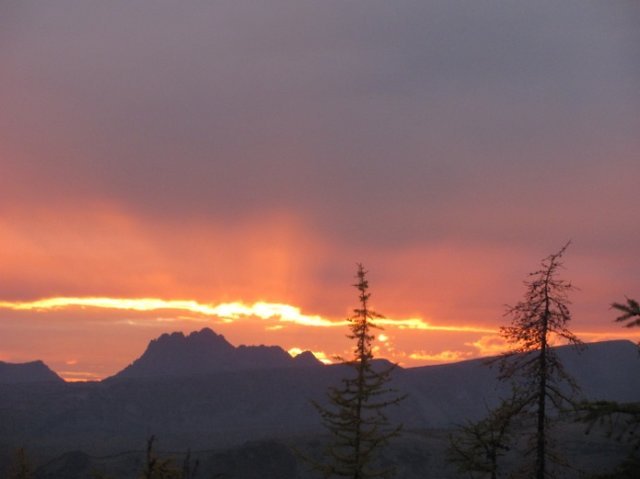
pixel 168 166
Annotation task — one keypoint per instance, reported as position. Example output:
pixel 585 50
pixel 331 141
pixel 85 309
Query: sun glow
pixel 418 323
pixel 226 312
pixel 78 376
pixel 446 356
pixel 413 341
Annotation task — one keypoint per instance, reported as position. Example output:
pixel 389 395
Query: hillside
pixel 232 406
pixel 32 372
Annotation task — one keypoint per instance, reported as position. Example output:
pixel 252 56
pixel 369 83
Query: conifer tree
pixel 356 416
pixel 620 420
pixel 156 467
pixel 542 314
pixel 631 310
pixel 478 447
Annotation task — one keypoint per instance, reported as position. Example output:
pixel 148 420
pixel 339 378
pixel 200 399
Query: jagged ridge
pixel 203 352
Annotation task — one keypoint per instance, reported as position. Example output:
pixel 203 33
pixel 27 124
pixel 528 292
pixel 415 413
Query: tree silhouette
pixel 155 467
pixel 20 468
pixel 631 310
pixel 542 314
pixel 356 416
pixel 477 447
pixel 189 468
pixel 620 420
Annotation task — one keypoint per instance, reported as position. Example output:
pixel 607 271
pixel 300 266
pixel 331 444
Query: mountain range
pixel 202 352
pixel 199 391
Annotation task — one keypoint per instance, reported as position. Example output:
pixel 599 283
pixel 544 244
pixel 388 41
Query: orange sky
pixel 105 284
pixel 227 153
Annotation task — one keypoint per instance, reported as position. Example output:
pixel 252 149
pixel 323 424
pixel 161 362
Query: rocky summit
pixel 203 352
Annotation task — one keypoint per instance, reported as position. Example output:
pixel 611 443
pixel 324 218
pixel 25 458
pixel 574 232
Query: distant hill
pixel 32 372
pixel 237 400
pixel 203 352
pixel 446 394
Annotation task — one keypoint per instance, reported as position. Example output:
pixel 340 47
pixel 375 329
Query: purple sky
pixel 244 151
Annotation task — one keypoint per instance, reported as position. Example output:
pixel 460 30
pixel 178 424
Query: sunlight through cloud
pixel 417 323
pixel 441 357
pixel 226 312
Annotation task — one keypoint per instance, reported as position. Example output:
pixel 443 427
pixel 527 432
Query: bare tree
pixel 542 314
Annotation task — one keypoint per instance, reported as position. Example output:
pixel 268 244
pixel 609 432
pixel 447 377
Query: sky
pixel 168 166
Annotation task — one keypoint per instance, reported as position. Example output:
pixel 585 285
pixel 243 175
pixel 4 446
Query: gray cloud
pixel 377 121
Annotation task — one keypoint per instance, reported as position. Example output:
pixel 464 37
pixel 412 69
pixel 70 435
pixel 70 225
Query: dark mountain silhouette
pixel 232 399
pixel 450 393
pixel 203 352
pixel 253 460
pixel 33 372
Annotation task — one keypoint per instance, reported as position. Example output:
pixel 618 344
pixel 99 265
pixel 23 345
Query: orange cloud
pixel 417 323
pixel 490 345
pixel 78 376
pixel 229 311
pixel 226 311
pixel 105 249
pixel 447 356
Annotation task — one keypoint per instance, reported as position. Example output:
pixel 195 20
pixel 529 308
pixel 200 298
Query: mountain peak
pixel 208 336
pixel 306 358
pixel 34 371
pixel 204 351
pixel 205 341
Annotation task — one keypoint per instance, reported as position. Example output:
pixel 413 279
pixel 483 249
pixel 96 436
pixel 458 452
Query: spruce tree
pixel 542 314
pixel 356 416
pixel 631 310
pixel 620 420
pixel 156 467
pixel 478 447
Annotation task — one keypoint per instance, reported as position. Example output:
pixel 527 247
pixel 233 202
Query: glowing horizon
pixel 397 342
pixel 237 189
pixel 226 311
